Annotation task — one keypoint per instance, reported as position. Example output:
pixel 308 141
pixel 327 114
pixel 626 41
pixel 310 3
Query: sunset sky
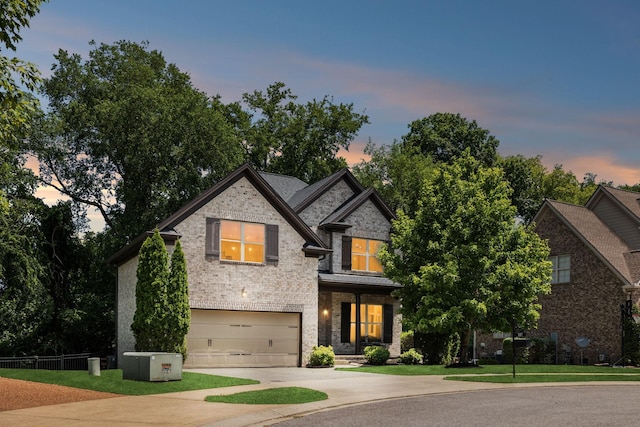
pixel 552 78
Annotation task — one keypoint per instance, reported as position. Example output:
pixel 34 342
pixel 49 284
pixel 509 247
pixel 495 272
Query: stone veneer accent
pixel 290 286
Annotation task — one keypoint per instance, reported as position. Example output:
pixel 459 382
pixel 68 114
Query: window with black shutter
pixel 346 252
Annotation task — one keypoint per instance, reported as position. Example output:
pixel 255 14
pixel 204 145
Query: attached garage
pixel 219 338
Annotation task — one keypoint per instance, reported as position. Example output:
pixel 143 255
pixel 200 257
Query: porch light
pixel 244 293
pixel 325 312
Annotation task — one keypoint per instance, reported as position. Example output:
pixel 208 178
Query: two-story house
pixel 276 266
pixel 595 251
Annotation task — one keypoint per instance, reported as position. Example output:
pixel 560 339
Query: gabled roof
pixel 340 214
pixel 628 201
pixel 285 186
pixel 314 245
pixel 303 198
pixel 596 235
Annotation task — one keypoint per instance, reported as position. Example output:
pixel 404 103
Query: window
pixel 370 322
pixel 376 322
pixel 561 269
pixel 364 255
pixel 241 241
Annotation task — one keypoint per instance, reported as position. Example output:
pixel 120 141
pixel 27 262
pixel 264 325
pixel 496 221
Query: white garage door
pixel 219 338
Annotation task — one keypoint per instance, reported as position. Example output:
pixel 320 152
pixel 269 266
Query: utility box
pixel 151 366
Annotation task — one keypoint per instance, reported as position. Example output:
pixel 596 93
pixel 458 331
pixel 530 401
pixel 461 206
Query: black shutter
pixel 346 252
pixel 387 318
pixel 212 237
pixel 271 250
pixel 345 322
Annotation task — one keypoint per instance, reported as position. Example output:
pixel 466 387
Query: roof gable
pixel 306 196
pixel 595 234
pixel 627 201
pixel 314 243
pixel 342 213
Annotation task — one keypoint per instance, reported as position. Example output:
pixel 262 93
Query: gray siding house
pixel 276 266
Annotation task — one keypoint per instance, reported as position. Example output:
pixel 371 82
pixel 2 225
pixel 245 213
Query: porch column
pixel 358 320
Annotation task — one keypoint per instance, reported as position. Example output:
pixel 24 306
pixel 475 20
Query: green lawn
pixel 111 381
pixel 273 396
pixel 503 373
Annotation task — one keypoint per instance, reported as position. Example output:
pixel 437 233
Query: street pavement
pixel 344 388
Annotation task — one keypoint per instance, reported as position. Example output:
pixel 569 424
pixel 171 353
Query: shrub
pixel 406 341
pixel 376 355
pixel 488 361
pixel 437 348
pixel 522 352
pixel 411 357
pixel 542 351
pixel 322 356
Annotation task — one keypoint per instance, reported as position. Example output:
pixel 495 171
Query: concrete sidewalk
pixel 190 409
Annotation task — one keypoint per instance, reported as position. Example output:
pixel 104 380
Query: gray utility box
pixel 151 366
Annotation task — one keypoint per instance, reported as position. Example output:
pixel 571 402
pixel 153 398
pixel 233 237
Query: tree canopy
pixel 446 136
pixel 463 262
pixel 129 135
pixel 300 140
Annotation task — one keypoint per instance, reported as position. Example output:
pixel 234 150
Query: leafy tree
pixel 16 105
pixel 129 135
pixel 300 140
pixel 446 136
pixel 463 262
pixel 396 172
pixel 151 295
pixel 25 305
pixel 526 177
pixel 178 316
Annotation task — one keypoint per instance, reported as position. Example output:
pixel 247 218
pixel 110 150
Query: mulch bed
pixel 19 394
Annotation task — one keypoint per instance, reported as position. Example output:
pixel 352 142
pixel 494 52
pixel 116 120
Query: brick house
pixel 275 266
pixel 595 251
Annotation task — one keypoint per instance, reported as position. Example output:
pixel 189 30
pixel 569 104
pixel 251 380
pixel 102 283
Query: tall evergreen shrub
pixel 178 312
pixel 151 295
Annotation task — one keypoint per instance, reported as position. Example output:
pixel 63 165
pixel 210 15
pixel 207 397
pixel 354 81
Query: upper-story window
pixel 361 254
pixel 561 268
pixel 242 241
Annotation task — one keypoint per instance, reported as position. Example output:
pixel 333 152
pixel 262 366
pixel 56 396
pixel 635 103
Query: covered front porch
pixel 358 311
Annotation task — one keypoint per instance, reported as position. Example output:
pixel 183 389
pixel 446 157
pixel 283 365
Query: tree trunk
pixel 465 336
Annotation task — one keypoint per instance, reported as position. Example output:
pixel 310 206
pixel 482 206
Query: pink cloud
pixel 606 166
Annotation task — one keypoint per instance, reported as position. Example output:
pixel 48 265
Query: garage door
pixel 219 338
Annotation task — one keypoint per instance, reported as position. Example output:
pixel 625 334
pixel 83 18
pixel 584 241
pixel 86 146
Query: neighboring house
pixel 276 266
pixel 595 251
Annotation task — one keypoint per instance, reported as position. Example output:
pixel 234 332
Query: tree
pixel 25 306
pixel 151 295
pixel 526 177
pixel 446 136
pixel 396 172
pixel 301 140
pixel 129 135
pixel 463 262
pixel 16 105
pixel 178 316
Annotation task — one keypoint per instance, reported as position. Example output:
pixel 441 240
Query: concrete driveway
pixel 189 408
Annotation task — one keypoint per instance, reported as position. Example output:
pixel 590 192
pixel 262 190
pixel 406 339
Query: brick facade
pixel 288 286
pixel 588 306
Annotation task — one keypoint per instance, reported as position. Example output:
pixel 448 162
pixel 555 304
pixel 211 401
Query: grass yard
pixel 503 373
pixel 273 396
pixel 111 381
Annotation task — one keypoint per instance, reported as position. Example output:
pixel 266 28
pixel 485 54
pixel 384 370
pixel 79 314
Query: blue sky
pixel 552 78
